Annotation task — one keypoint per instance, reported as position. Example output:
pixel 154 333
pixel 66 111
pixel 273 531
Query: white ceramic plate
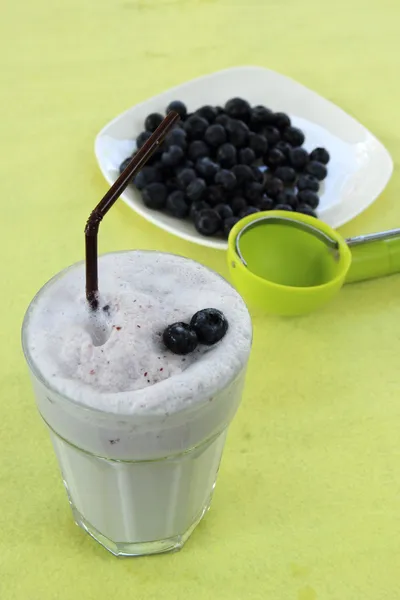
pixel 360 165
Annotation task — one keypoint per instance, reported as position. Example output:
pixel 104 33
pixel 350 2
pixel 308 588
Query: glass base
pixel 172 544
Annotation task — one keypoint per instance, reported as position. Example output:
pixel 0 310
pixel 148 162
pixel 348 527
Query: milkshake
pixel 138 430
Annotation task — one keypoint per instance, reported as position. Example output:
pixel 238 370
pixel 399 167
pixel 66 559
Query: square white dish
pixel 359 169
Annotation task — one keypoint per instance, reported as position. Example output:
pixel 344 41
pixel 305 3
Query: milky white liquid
pixel 138 431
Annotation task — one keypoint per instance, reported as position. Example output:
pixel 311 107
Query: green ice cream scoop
pixel 291 264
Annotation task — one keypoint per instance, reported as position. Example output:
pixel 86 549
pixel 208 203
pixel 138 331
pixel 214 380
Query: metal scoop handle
pixel 321 235
pixel 373 237
pixel 373 255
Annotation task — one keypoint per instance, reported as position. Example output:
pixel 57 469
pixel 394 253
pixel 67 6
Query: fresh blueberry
pixel 286 207
pixel 168 174
pixel 197 207
pixel 258 143
pixel 229 223
pixel 198 149
pixel 226 179
pixel 206 168
pixel 154 158
pixel 320 155
pixel 274 186
pixel 238 204
pixel 161 169
pixel 176 137
pixel 223 120
pixel 207 222
pixel 281 120
pixel 294 136
pixel 196 190
pixel 298 158
pixel 180 339
pixel 215 195
pixel 153 121
pixel 307 182
pixel 154 196
pixel 238 133
pixel 274 158
pixel 286 174
pixel 308 197
pixel 173 156
pixel 305 209
pixel 171 184
pixel 253 192
pixel 185 176
pixel 209 113
pixel 142 138
pixel 265 203
pixel 237 108
pixel 258 175
pixel 224 211
pixel 227 156
pixel 178 107
pixel 249 210
pixel 124 164
pixel 284 147
pixel 272 134
pixel 146 176
pixel 215 135
pixel 185 164
pixel 247 156
pixel 210 326
pixel 176 205
pixel 317 170
pixel 195 127
pixel 243 174
pixel 260 117
pixel 287 197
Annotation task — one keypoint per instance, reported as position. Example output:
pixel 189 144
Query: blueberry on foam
pixel 179 338
pixel 207 327
pixel 210 326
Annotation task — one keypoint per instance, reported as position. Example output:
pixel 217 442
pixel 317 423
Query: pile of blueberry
pixel 206 327
pixel 219 165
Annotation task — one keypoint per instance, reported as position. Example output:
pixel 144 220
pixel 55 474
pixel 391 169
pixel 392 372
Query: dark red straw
pixel 92 226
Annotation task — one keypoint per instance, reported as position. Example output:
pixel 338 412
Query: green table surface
pixel 307 505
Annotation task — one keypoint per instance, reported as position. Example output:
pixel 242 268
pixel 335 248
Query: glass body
pixel 138 484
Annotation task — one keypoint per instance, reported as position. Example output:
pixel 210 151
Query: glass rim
pixel 150 416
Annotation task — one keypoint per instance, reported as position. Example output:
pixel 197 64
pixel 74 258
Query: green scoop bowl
pixel 291 264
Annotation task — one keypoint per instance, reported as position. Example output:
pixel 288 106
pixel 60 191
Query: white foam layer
pixel 132 372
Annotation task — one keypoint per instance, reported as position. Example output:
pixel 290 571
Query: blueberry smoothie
pixel 139 395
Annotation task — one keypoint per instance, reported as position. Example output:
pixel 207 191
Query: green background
pixel 308 499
